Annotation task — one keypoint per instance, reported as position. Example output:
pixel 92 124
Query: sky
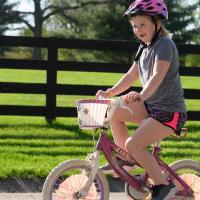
pixel 25 5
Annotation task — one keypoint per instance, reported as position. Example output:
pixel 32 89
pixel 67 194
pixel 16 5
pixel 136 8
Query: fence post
pixel 51 81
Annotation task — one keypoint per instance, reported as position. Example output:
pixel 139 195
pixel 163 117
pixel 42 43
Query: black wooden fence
pixel 52 65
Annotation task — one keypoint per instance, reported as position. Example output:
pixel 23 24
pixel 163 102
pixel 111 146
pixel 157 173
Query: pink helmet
pixel 149 7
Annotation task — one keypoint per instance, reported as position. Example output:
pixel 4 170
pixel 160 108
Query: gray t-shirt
pixel 169 95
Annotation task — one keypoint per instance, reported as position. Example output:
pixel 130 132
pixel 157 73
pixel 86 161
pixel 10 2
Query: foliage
pixel 102 19
pixel 180 17
pixel 196 37
pixel 8 16
pixel 43 11
pixel 112 25
pixel 192 60
pixel 18 53
pixel 106 22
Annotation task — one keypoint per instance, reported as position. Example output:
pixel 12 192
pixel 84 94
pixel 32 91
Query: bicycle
pixel 83 179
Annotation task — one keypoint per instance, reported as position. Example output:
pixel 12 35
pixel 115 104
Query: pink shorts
pixel 174 120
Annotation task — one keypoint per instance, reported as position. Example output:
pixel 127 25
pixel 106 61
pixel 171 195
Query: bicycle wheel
pixel 65 180
pixel 189 171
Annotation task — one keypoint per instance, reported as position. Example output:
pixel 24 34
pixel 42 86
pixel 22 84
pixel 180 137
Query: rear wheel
pixel 189 171
pixel 65 181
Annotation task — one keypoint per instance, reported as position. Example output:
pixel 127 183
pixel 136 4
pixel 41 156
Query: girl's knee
pixel 130 145
pixel 133 146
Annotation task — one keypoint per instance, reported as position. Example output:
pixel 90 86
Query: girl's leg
pixel 121 116
pixel 149 132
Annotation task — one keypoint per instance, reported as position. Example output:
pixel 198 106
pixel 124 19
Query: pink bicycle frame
pixel 107 147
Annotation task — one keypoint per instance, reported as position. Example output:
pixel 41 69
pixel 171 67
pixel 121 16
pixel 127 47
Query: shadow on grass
pixel 184 139
pixel 56 125
pixel 75 131
pixel 51 153
pixel 42 144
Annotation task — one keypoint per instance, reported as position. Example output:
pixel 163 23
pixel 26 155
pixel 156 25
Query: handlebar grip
pixel 119 102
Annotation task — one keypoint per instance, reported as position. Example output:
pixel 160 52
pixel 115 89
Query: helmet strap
pixel 156 33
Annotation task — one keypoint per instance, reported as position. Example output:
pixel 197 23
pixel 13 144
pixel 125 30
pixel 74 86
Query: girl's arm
pixel 125 82
pixel 160 70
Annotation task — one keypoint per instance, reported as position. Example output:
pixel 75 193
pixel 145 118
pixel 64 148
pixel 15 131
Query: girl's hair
pixel 162 20
pixel 165 32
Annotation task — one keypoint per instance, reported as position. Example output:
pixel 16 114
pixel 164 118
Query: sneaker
pixel 164 192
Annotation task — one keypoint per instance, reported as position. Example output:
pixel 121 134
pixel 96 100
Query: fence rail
pixel 52 65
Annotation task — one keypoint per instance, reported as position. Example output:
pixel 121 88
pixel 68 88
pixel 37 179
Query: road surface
pixel 38 196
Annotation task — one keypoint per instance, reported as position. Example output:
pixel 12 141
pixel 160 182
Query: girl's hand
pixel 132 96
pixel 102 94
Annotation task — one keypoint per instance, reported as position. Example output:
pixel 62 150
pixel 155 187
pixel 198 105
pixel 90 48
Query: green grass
pixel 29 147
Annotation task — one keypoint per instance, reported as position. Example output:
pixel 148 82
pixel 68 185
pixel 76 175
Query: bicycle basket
pixel 91 113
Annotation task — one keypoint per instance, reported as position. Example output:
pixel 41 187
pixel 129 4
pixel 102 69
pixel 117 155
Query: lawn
pixel 29 147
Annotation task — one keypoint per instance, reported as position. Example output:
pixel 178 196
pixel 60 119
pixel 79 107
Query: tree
pixel 196 37
pixel 180 17
pixel 99 19
pixel 106 21
pixel 44 9
pixel 8 16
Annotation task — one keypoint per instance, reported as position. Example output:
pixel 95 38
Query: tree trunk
pixel 38 18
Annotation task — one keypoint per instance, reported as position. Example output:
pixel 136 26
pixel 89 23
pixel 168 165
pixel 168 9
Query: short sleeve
pixel 165 50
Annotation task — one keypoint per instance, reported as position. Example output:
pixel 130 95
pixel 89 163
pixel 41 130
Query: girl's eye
pixel 139 26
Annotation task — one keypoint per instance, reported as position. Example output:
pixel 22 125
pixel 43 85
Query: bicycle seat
pixel 183 133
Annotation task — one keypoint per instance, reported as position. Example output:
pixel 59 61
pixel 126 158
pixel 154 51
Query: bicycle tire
pixel 192 179
pixel 58 176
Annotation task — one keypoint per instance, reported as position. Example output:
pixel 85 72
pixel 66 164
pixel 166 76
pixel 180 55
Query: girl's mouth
pixel 142 35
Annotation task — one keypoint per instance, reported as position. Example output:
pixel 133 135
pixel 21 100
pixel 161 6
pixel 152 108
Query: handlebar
pixel 119 102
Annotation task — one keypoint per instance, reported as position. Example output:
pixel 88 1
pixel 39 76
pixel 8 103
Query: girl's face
pixel 143 27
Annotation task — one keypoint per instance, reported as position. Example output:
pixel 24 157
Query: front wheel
pixel 65 181
pixel 189 171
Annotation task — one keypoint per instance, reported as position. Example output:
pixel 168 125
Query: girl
pixel 159 107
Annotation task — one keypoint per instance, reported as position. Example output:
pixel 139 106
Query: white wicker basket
pixel 91 113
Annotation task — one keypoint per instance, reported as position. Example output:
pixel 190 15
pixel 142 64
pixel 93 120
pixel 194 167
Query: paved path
pixel 38 196
pixel 27 190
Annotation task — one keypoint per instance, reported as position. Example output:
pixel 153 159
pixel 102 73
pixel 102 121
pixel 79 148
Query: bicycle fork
pixel 93 160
